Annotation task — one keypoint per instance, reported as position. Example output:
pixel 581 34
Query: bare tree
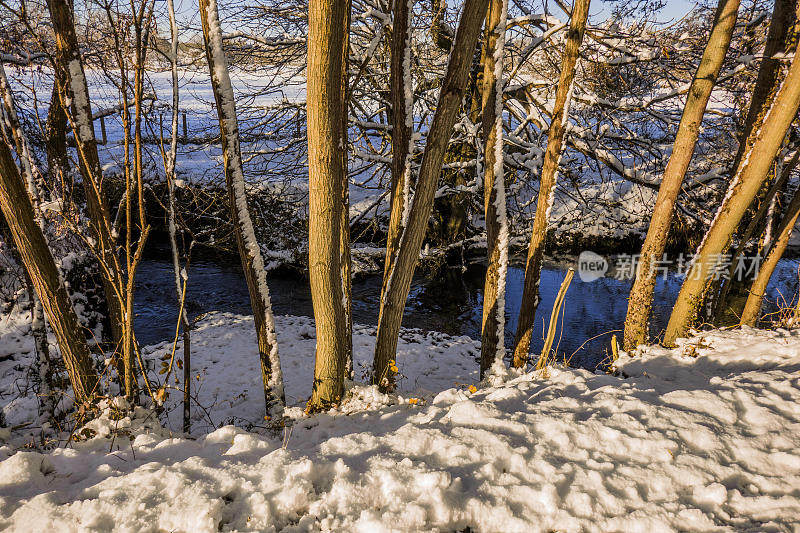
pixel 327 177
pixel 494 195
pixel 450 98
pixel 641 296
pixel 249 251
pixel 760 218
pixel 747 181
pixel 402 100
pixel 547 182
pixel 41 267
pixel 755 297
pixel 75 98
pixel 181 275
pixel 780 38
pixel 32 179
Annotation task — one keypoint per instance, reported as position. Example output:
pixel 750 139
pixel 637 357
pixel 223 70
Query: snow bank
pixel 704 437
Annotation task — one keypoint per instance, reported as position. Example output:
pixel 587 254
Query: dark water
pixel 449 302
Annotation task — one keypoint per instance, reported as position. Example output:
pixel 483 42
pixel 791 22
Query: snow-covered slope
pixel 705 437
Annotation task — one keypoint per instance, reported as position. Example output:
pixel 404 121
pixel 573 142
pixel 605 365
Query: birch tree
pixel 746 182
pixel 249 251
pixel 327 178
pixel 450 98
pixel 494 195
pixel 46 280
pixel 641 295
pixel 547 182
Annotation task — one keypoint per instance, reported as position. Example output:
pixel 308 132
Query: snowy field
pixel 705 437
pixel 609 207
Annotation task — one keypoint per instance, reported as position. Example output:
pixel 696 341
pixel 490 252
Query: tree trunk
pixel 547 182
pixel 249 251
pixel 641 296
pixel 752 308
pixel 402 126
pixel 171 156
pixel 32 178
pixel 723 305
pixel 450 98
pixel 780 38
pixel 327 176
pixel 56 141
pixel 746 183
pixel 44 275
pixel 494 194
pixel 76 98
pixel 43 366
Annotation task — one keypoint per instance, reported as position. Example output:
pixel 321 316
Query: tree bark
pixel 249 251
pixel 641 295
pixel 327 176
pixel 723 305
pixel 752 307
pixel 402 126
pixel 494 200
pixel 44 275
pixel 76 98
pixel 450 99
pixel 746 183
pixel 547 182
pixel 32 179
pixel 56 140
pixel 780 39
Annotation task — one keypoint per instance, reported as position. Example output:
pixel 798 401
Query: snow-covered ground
pixel 705 437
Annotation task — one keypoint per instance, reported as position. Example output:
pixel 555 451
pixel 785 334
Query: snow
pixel 702 437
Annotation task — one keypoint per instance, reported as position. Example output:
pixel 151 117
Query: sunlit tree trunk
pixel 746 183
pixel 327 176
pixel 41 267
pixel 781 36
pixel 249 251
pixel 641 296
pixel 723 305
pixel 547 182
pixel 450 99
pixel 755 298
pixel 494 197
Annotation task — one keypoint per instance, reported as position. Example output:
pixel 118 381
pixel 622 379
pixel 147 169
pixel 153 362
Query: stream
pixel 450 302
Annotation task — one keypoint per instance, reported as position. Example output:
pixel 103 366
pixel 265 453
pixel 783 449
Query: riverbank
pixel 702 437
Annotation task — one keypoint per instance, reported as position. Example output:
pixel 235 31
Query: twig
pixel 551 330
